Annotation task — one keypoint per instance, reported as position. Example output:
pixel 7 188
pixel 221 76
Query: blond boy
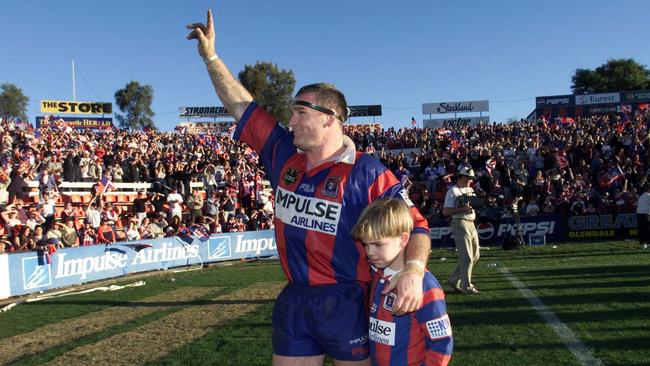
pixel 421 337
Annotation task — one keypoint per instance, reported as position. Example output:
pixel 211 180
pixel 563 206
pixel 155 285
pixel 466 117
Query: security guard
pixel 457 205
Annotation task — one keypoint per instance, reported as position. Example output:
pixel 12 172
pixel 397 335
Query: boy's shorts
pixel 327 319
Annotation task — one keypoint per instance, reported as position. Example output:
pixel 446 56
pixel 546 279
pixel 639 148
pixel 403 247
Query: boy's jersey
pixel 423 337
pixel 316 209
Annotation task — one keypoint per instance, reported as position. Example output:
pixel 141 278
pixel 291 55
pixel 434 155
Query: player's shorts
pixel 327 319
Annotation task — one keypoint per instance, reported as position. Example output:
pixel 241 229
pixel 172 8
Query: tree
pixel 271 87
pixel 134 100
pixel 615 75
pixel 13 103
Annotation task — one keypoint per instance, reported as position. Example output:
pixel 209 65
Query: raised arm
pixel 233 95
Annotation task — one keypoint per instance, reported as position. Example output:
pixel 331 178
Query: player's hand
pixel 409 292
pixel 204 34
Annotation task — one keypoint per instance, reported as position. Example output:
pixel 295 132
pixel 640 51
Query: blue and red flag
pixel 614 174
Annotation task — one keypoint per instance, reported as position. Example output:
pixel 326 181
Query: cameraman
pixel 457 205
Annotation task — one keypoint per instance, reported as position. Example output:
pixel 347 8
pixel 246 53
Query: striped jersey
pixel 316 209
pixel 422 337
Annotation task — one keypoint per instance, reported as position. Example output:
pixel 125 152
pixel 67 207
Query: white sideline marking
pixel 579 350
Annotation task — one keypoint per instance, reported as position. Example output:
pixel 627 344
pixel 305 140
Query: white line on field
pixel 579 350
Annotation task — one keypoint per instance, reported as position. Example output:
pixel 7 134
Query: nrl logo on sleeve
pixel 331 187
pixel 290 176
pixel 439 328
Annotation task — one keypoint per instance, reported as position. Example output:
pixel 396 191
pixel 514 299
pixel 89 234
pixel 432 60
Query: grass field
pixel 566 305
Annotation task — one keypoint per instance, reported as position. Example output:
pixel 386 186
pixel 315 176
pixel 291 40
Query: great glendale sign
pixel 456 107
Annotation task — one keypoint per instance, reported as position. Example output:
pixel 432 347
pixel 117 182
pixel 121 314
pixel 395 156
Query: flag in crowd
pixel 105 185
pixel 614 174
pixel 490 164
pixel 561 159
pixel 413 122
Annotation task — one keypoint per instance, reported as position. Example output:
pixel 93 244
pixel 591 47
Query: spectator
pixel 106 234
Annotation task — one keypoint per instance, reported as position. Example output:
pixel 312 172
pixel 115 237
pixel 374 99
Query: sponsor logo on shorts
pixel 382 332
pixel 439 328
pixel 219 247
pixel 35 275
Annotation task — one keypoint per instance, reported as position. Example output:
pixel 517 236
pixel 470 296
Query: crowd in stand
pixel 578 166
pixel 587 165
pixel 232 197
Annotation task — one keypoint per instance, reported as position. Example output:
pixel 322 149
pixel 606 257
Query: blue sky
pixel 397 54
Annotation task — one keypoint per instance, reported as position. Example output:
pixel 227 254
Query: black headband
pixel 318 108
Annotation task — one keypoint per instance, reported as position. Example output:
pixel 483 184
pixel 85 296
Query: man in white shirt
pixel 643 216
pixel 457 205
pixel 175 200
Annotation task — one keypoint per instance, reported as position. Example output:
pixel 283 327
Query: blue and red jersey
pixel 423 337
pixel 316 209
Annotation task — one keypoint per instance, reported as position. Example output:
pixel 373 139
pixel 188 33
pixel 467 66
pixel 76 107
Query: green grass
pixel 601 291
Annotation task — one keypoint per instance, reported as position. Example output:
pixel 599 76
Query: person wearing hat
pixel 457 205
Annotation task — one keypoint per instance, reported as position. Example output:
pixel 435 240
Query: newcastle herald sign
pixel 456 107
pixel 76 122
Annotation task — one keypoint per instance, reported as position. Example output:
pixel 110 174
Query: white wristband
pixel 417 263
pixel 210 59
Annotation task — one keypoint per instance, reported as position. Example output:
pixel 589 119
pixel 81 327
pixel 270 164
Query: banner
pixel 456 107
pixel 598 98
pixel 74 122
pixel 4 276
pixel 555 228
pixel 636 96
pixel 203 128
pixel 449 123
pixel 555 101
pixel 364 110
pixel 203 112
pixel 601 227
pixel 362 127
pixel 56 107
pixel 28 272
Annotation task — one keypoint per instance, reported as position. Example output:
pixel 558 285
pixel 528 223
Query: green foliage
pixel 271 87
pixel 615 75
pixel 13 103
pixel 134 100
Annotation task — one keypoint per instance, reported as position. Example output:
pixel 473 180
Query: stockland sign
pixel 456 107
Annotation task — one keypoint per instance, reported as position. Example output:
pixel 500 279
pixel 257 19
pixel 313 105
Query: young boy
pixel 420 338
